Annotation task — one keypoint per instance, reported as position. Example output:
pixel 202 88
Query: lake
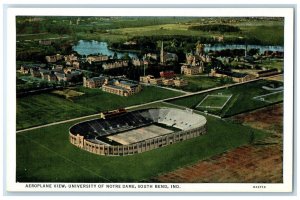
pixel 85 47
pixel 236 46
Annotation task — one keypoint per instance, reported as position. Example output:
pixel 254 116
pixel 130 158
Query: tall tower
pixel 200 49
pixel 162 53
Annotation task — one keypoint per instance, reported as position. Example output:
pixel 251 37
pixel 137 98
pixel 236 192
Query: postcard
pixel 149 99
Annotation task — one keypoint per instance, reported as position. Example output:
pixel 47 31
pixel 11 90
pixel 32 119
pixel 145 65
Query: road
pixel 167 88
pixel 56 38
pixel 135 106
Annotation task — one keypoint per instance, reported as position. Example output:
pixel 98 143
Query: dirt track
pixel 257 163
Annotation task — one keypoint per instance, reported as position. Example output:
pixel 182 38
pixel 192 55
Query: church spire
pixel 162 57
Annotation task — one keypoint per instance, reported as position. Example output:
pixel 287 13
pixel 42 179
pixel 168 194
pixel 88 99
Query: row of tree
pixel 221 28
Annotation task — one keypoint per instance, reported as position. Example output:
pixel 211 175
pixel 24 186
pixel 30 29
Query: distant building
pixel 116 64
pixel 61 76
pixel 137 62
pixel 150 56
pixel 99 58
pixel 168 82
pixel 197 59
pixel 70 58
pixel 122 87
pixel 50 77
pixel 236 77
pixel 67 76
pixel 219 38
pixel 44 74
pixel 69 70
pixel 94 82
pixel 35 72
pixel 75 64
pixel 54 58
pixel 25 68
pixel 167 74
pixel 130 43
pixel 268 72
pixel 180 82
pixel 45 42
pixel 191 70
pixel 151 80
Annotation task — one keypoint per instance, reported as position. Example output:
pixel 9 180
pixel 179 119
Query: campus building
pixel 99 58
pixel 94 82
pixel 236 77
pixel 151 80
pixel 191 70
pixel 122 87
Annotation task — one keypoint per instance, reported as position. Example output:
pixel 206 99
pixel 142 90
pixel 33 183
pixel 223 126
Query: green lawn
pixel 214 101
pixel 272 63
pixel 198 83
pixel 273 97
pixel 45 155
pixel 46 108
pixel 241 100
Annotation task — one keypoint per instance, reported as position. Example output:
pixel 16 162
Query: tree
pixel 115 56
pixel 126 56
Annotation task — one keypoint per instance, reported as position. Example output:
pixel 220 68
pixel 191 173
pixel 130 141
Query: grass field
pixel 46 108
pixel 45 155
pixel 270 98
pixel 241 100
pixel 198 83
pixel 214 101
pixel 268 32
pixel 273 63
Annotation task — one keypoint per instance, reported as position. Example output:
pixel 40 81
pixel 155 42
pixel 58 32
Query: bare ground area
pixel 260 162
pixel 276 78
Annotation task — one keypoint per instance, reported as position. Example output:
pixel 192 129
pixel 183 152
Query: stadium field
pixel 139 134
pixel 46 155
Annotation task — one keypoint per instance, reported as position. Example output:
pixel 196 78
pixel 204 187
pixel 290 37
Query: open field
pixel 272 63
pixel 46 108
pixel 45 155
pixel 260 162
pixel 67 93
pixel 247 164
pixel 271 97
pixel 276 78
pixel 265 32
pixel 198 83
pixel 214 101
pixel 241 100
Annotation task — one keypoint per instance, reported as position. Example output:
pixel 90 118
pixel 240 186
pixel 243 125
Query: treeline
pixel 222 28
pixel 178 43
pixel 35 52
pixel 234 52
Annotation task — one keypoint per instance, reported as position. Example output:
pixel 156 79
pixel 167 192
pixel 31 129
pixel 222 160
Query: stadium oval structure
pixel 137 131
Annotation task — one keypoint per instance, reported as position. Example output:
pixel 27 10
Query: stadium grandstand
pixel 133 132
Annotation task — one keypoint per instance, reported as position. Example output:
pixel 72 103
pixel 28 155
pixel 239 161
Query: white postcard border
pixel 287 13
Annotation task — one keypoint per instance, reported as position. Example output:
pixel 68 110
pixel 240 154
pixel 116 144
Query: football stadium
pixel 119 132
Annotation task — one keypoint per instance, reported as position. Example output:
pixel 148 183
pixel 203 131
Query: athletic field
pixel 139 134
pixel 214 101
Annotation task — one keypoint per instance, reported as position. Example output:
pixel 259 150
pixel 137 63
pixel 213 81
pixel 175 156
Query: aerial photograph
pixel 149 99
